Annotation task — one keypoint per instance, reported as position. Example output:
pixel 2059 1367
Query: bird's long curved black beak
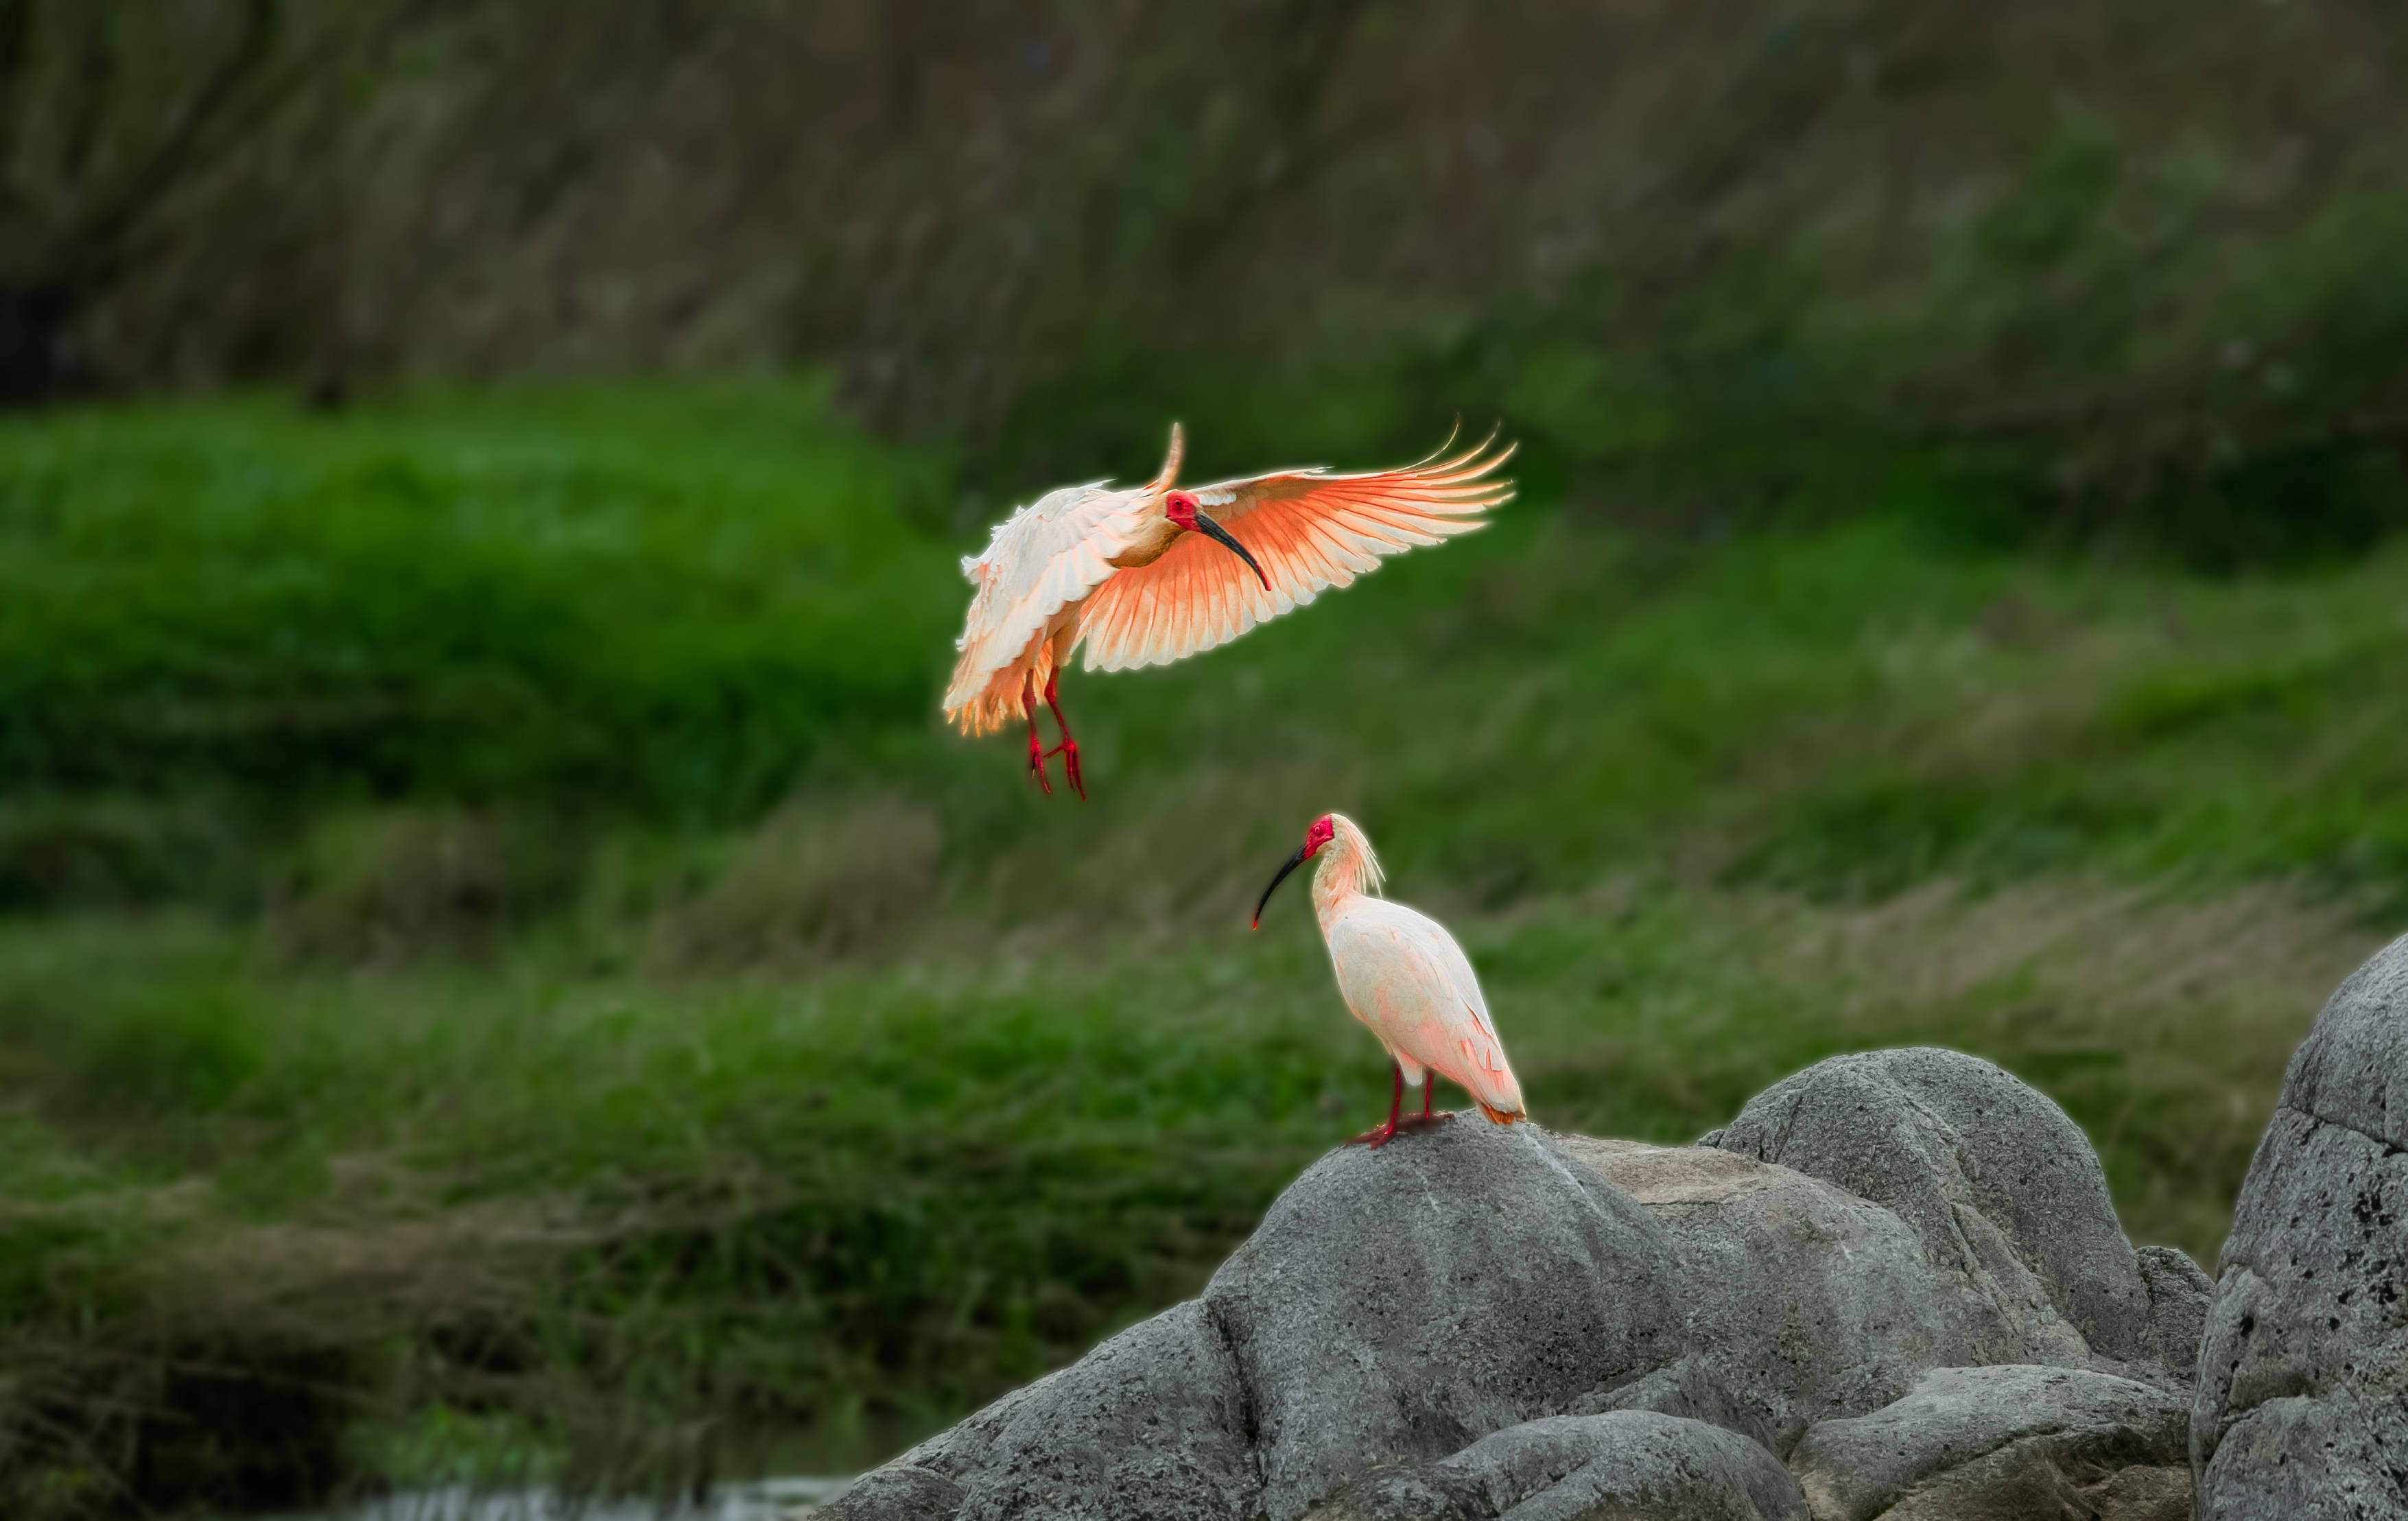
pixel 1206 525
pixel 1293 862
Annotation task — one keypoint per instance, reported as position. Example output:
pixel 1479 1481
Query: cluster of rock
pixel 1894 1286
pixel 2303 1406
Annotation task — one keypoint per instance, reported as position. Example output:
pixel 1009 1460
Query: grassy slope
pixel 588 594
pixel 513 1086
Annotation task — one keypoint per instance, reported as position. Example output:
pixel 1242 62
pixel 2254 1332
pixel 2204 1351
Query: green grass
pixel 655 600
pixel 506 974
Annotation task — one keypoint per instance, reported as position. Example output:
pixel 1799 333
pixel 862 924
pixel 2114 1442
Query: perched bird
pixel 1405 978
pixel 1130 574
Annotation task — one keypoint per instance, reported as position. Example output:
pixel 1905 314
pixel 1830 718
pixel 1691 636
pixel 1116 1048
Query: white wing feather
pixel 1049 555
pixel 1404 977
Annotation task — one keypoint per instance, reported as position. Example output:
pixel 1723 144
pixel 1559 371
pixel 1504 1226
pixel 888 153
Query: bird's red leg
pixel 1036 746
pixel 1380 1135
pixel 1426 1120
pixel 1069 748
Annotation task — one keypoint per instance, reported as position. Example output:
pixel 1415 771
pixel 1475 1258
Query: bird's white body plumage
pixel 1406 979
pixel 1105 567
pixel 1038 567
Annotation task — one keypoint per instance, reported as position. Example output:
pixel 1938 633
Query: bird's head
pixel 1187 516
pixel 1317 834
pixel 1320 832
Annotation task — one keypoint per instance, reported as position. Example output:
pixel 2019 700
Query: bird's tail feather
pixel 1499 1116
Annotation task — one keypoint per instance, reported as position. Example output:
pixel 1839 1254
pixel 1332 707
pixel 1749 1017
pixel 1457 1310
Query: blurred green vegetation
pixel 607 600
pixel 506 975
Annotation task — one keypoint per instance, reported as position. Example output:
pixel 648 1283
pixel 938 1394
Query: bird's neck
pixel 1338 881
pixel 1151 541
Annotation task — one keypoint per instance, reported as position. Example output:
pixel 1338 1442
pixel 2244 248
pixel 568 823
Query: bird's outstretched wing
pixel 1309 528
pixel 1045 557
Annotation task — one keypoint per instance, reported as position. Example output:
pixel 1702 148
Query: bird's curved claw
pixel 1069 751
pixel 1376 1137
pixel 1037 766
pixel 1426 1122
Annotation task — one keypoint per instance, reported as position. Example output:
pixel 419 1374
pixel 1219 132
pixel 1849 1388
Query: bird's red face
pixel 1320 833
pixel 1181 507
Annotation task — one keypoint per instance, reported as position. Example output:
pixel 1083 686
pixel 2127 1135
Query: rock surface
pixel 2002 1188
pixel 1629 1464
pixel 1151 1424
pixel 900 1492
pixel 1396 1305
pixel 2302 1399
pixel 1804 1301
pixel 2004 1442
pixel 1692 1389
pixel 2178 1296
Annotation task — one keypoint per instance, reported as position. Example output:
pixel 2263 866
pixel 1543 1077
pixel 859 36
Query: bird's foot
pixel 1037 766
pixel 1426 1121
pixel 1376 1137
pixel 1069 751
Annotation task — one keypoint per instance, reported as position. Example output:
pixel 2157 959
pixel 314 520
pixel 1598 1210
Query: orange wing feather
pixel 1311 529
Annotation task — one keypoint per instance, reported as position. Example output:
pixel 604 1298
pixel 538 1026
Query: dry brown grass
pixel 2196 1000
pixel 818 880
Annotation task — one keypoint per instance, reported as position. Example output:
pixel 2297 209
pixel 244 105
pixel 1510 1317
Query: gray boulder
pixel 1693 1389
pixel 2178 1296
pixel 900 1492
pixel 2001 1188
pixel 1151 1425
pixel 2012 1443
pixel 1805 1302
pixel 1629 1464
pixel 2302 1402
pixel 2352 1070
pixel 1397 1305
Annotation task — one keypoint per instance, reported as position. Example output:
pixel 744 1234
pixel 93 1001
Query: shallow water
pixel 760 1500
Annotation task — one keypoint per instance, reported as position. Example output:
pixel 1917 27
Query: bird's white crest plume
pixel 1170 472
pixel 1406 979
pixel 1147 575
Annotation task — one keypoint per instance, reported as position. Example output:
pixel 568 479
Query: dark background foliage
pixel 2137 263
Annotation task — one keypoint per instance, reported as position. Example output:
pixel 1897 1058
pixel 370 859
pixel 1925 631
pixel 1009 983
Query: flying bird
pixel 1405 978
pixel 1152 574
